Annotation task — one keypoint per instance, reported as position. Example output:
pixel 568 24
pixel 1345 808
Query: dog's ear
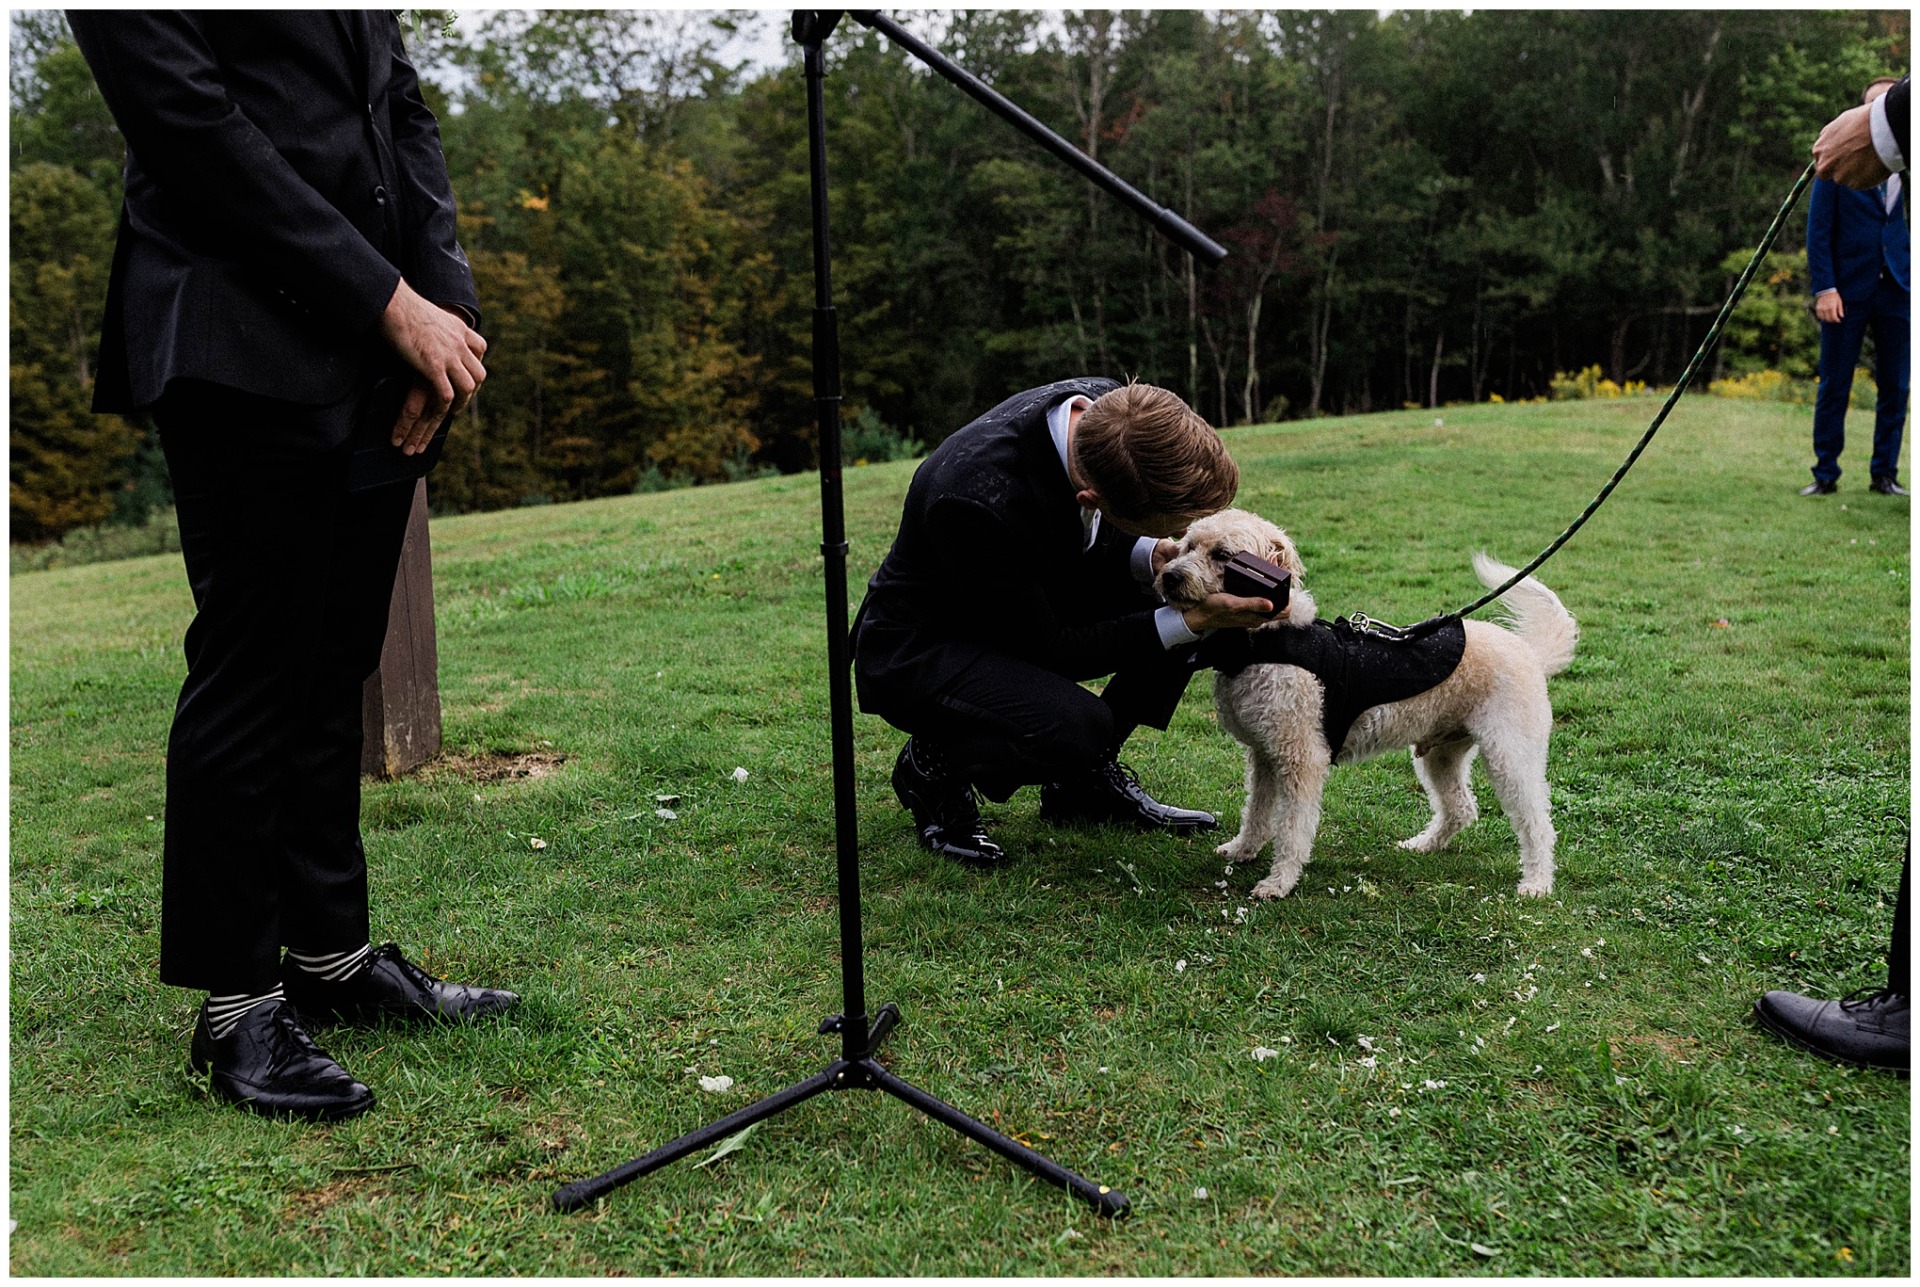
pixel 1280 550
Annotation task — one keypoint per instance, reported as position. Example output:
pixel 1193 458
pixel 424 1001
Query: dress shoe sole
pixel 1129 824
pixel 1793 1038
pixel 310 1113
pixel 410 1017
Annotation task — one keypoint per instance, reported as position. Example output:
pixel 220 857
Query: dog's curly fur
pixel 1495 703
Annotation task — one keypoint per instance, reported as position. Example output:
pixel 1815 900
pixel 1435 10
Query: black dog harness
pixel 1358 668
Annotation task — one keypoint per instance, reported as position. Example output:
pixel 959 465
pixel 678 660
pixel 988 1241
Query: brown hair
pixel 1149 455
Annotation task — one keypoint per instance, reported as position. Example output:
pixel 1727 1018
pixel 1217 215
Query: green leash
pixel 1363 622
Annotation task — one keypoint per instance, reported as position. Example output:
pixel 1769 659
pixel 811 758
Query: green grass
pixel 1729 776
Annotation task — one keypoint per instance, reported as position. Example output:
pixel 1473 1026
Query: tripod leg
pixel 1108 1202
pixel 581 1192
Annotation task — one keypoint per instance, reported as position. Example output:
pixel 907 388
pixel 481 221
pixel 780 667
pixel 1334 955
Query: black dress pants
pixel 1004 723
pixel 292 576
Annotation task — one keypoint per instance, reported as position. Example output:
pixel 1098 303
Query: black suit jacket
pixel 988 560
pixel 282 174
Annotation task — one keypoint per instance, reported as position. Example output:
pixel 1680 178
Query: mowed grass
pixel 1465 1082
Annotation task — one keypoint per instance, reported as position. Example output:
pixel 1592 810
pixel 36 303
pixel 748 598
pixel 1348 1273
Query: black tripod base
pixel 862 1074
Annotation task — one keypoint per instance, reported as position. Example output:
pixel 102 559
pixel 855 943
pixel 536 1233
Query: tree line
pixel 1421 207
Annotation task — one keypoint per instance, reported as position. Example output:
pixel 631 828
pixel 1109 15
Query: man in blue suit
pixel 1857 261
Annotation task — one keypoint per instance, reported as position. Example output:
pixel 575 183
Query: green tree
pixel 67 464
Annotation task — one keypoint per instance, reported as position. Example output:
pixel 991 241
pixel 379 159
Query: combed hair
pixel 1148 454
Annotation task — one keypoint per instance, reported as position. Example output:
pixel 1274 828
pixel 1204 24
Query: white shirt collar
pixel 1057 421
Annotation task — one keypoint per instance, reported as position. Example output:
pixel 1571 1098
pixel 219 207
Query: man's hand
pixel 1828 308
pixel 446 353
pixel 1844 152
pixel 1229 611
pixel 1163 553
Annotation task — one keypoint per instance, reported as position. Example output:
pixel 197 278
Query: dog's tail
pixel 1534 612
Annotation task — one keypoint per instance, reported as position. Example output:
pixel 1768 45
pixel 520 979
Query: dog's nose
pixel 1172 582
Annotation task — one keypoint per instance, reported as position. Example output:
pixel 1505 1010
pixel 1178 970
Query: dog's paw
pixel 1536 888
pixel 1423 843
pixel 1234 851
pixel 1275 887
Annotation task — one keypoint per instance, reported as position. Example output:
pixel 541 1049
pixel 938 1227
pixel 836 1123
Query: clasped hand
pixel 445 353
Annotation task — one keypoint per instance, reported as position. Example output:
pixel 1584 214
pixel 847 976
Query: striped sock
pixel 331 966
pixel 225 1012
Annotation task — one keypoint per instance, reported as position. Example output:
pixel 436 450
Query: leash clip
pixel 1366 625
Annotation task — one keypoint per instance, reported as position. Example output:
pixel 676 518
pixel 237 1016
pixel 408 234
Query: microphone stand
pixel 861 1035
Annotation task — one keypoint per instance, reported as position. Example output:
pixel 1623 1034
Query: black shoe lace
pixel 415 975
pixel 1867 998
pixel 1123 778
pixel 288 1039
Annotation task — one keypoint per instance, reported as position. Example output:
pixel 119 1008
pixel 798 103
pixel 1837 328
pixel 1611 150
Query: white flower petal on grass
pixel 1370 1062
pixel 1179 967
pixel 740 775
pixel 1366 1043
pixel 718 1085
pixel 668 814
pixel 1263 1053
pixel 536 842
pixel 1393 1112
pixel 666 799
pixel 1200 1194
pixel 1553 1027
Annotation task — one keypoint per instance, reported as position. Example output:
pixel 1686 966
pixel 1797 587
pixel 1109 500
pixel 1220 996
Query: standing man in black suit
pixel 1024 565
pixel 1871 1028
pixel 286 245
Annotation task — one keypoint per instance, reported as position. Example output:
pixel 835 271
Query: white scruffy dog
pixel 1495 702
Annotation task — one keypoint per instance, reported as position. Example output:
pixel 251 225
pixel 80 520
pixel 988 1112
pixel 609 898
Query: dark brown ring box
pixel 1252 577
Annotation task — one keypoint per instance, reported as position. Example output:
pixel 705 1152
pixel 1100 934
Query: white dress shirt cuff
pixel 1883 140
pixel 1172 627
pixel 1143 560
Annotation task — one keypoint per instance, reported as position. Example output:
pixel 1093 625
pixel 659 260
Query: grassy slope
pixel 1731 799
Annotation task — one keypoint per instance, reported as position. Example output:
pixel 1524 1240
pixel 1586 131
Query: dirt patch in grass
pixel 1683 1050
pixel 497 766
pixel 311 1204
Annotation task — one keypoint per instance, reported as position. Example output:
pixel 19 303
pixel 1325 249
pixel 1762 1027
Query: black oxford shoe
pixel 1112 793
pixel 1870 1031
pixel 945 817
pixel 1819 488
pixel 388 986
pixel 268 1064
pixel 1886 487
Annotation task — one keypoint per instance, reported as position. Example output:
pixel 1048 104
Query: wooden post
pixel 401 702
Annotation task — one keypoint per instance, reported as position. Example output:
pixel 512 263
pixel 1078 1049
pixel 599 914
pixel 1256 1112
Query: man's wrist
pixel 1884 142
pixel 1141 560
pixel 1173 628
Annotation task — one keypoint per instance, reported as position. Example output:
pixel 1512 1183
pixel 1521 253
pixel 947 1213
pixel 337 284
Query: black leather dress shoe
pixel 1819 488
pixel 1886 487
pixel 388 986
pixel 1112 793
pixel 945 817
pixel 1869 1031
pixel 268 1064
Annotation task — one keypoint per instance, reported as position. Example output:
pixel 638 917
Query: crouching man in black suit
pixel 286 246
pixel 1024 564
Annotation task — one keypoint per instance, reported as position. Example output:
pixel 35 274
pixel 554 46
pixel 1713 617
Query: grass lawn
pixel 1466 1082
